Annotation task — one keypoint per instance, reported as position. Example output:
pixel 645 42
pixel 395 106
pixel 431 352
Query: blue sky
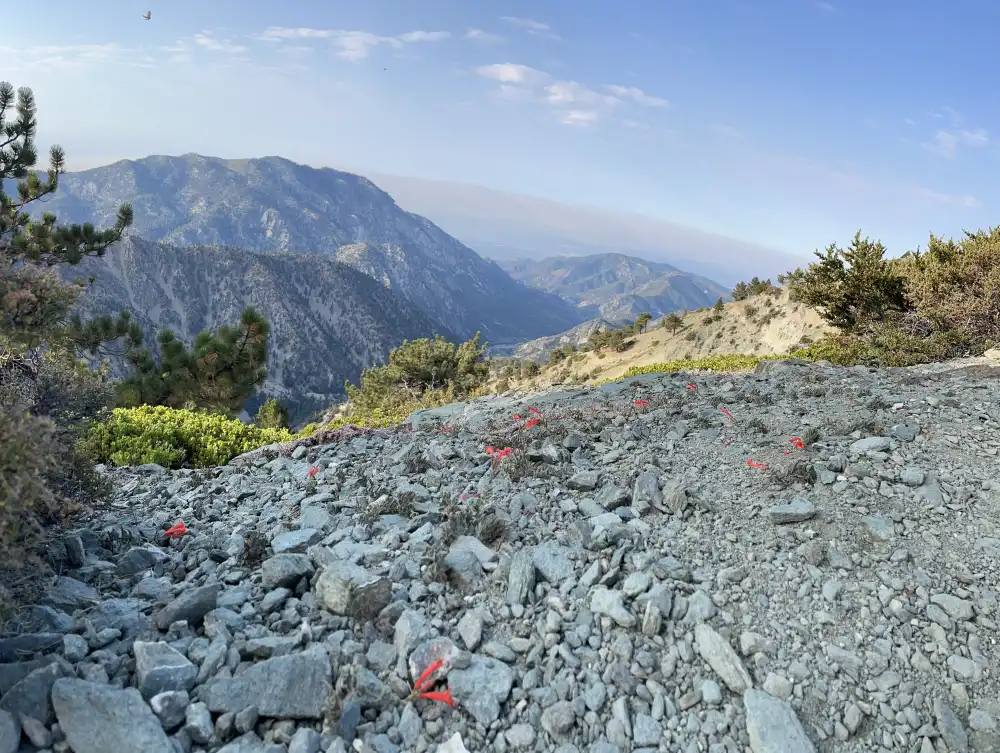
pixel 789 123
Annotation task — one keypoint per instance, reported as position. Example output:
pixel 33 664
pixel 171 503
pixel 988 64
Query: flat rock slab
pixel 296 686
pixel 160 667
pixel 721 657
pixel 794 512
pixel 192 605
pixel 101 719
pixel 773 726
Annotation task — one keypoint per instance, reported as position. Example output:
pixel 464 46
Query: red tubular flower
pixel 425 676
pixel 690 387
pixel 443 697
pixel 727 413
pixel 530 423
pixel 535 410
pixel 517 416
pixel 755 464
pixel 797 443
pixel 312 471
pixel 176 531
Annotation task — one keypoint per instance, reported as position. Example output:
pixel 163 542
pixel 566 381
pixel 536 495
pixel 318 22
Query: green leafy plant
pixel 174 438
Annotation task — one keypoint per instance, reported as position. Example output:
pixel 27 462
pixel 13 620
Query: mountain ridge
pixel 343 322
pixel 617 287
pixel 275 205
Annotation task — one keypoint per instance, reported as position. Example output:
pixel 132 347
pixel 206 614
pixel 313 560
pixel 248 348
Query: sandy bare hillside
pixel 761 325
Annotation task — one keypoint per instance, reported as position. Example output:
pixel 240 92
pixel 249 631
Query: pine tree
pixel 218 372
pixel 673 321
pixel 642 320
pixel 35 305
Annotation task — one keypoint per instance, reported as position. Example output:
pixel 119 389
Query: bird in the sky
pixel 148 14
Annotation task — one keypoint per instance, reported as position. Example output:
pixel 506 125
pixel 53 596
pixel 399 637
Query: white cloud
pixel 636 95
pixel 574 102
pixel 572 93
pixel 483 36
pixel 579 117
pixel 512 73
pixel 205 40
pixel 60 57
pixel 351 45
pixel 537 28
pixel 947 143
pixel 424 36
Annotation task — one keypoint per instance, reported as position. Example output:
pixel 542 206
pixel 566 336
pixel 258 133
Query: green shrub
pixel 174 438
pixel 272 415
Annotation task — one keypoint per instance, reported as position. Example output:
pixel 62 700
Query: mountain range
pixel 275 205
pixel 341 272
pixel 615 287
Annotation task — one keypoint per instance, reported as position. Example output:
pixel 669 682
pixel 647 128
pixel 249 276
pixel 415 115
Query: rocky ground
pixel 800 559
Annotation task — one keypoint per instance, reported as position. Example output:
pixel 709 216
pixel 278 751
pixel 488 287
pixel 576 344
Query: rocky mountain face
pixel 275 205
pixel 328 320
pixel 615 287
pixel 639 573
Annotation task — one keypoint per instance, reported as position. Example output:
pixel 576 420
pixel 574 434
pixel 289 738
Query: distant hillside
pixel 761 325
pixel 328 321
pixel 615 287
pixel 275 205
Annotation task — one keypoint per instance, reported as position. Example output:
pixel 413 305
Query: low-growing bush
pixel 174 438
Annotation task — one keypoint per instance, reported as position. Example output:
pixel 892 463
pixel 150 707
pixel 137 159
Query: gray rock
pixel 160 667
pixel 347 589
pixel 721 657
pixel 285 570
pixel 870 444
pixel 296 686
pixel 140 558
pixel 950 727
pixel 611 603
pixel 793 512
pixel 773 726
pixel 30 696
pixel 305 740
pixel 10 732
pixel 558 719
pixel 646 493
pixel 98 719
pixel 170 707
pixel 520 576
pixel 552 562
pixel 481 688
pixel 646 731
pixel 192 605
pixel 295 541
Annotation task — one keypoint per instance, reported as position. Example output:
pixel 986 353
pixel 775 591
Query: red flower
pixel 443 697
pixel 175 532
pixel 312 471
pixel 640 403
pixel 530 423
pixel 517 416
pixel 755 464
pixel 690 387
pixel 420 687
pixel 535 410
pixel 797 443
